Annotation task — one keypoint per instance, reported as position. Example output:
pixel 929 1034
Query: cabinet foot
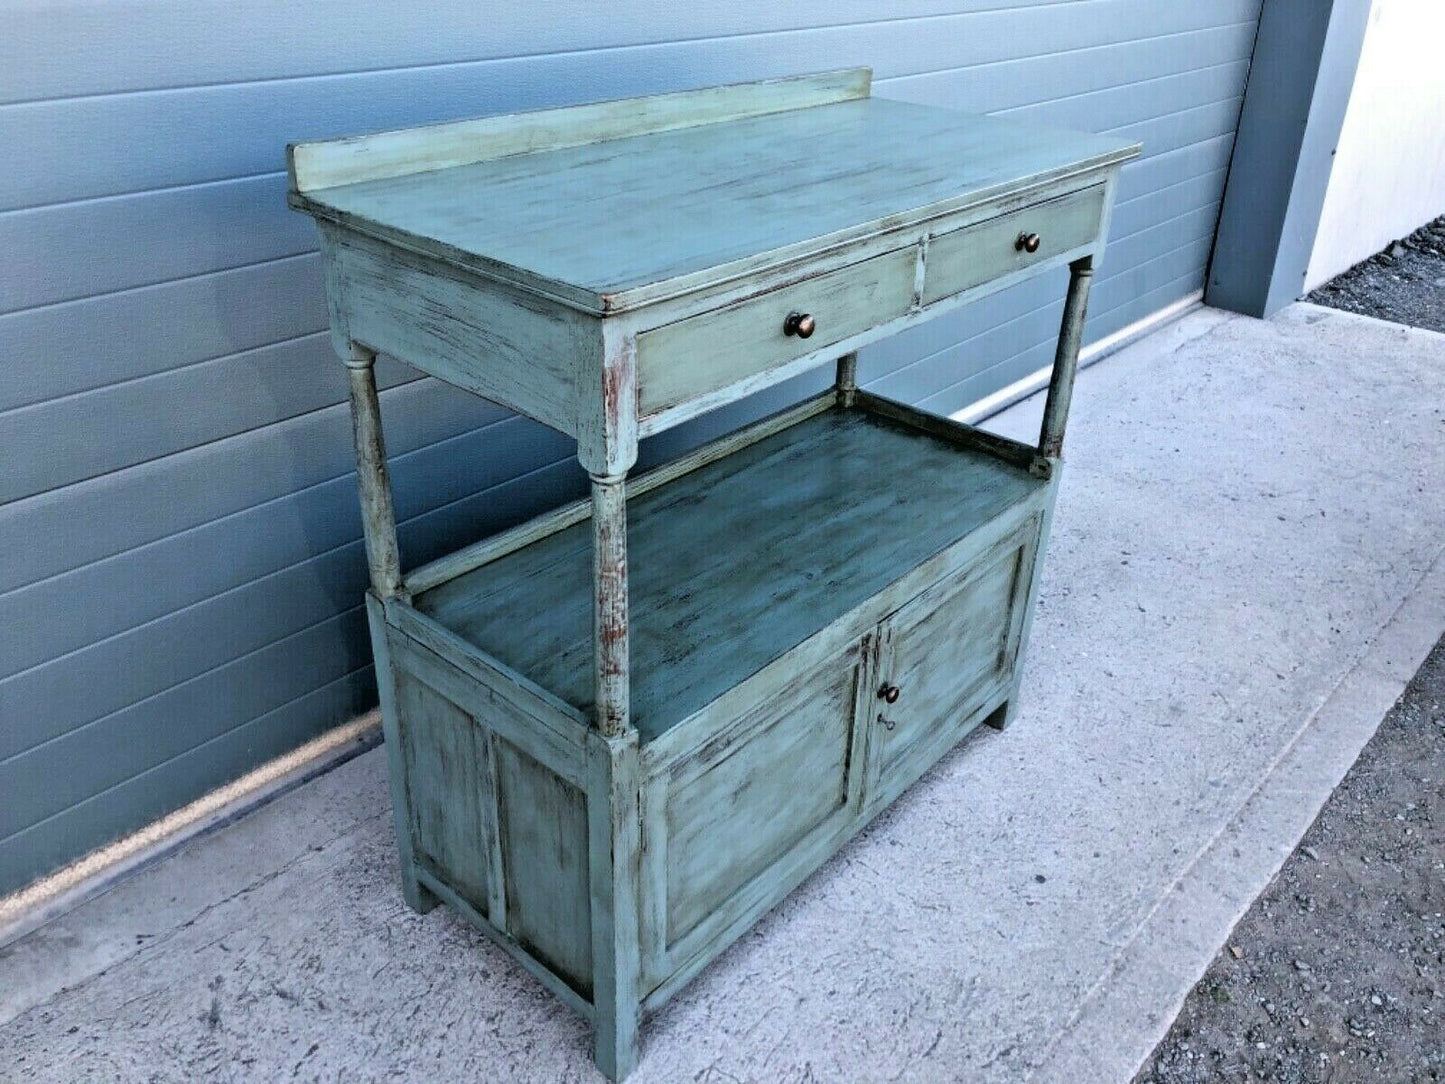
pixel 615 1044
pixel 1001 716
pixel 418 897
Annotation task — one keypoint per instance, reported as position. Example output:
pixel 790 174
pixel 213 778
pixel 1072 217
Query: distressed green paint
pixel 676 362
pixel 620 733
pixel 670 211
pixel 780 539
pixel 962 259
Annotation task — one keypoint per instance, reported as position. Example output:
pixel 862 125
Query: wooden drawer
pixel 688 359
pixel 944 653
pixel 729 827
pixel 985 251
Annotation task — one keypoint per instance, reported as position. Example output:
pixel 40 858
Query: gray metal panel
pixel 180 598
pixel 1304 70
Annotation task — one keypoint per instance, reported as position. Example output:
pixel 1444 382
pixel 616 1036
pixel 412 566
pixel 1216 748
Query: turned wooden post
pixel 1066 358
pixel 609 612
pixel 378 523
pixel 847 380
pixel 378 520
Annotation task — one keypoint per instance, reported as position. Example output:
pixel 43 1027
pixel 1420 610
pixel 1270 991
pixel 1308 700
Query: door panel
pixel 728 828
pixel 942 654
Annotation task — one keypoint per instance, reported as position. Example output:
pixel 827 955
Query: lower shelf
pixel 736 563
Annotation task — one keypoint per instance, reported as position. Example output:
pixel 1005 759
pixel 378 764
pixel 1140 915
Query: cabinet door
pixel 942 658
pixel 732 827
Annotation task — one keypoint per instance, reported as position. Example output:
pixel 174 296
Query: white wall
pixel 1389 172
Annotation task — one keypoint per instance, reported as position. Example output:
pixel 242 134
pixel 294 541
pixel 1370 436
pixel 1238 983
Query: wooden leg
pixel 615 832
pixel 1066 358
pixel 378 521
pixel 609 625
pixel 847 382
pixel 417 896
pixel 1001 718
pixel 379 524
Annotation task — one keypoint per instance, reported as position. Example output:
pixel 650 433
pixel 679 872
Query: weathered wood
pixel 496 706
pixel 417 896
pixel 969 436
pixel 735 806
pixel 845 383
pixel 962 259
pixel 675 362
pixel 775 789
pixel 781 538
pixel 942 651
pixel 511 704
pixel 464 560
pixel 501 344
pixel 448 771
pixel 1066 359
pixel 607 410
pixel 710 204
pixel 1003 717
pixel 546 865
pixel 555 984
pixel 614 824
pixel 497 326
pixel 777 677
pixel 752 379
pixel 609 605
pixel 614 744
pixel 354 159
pixel 378 521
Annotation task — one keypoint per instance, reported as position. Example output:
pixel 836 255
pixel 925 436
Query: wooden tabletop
pixel 614 224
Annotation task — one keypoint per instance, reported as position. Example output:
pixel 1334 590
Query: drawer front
pixel 727 827
pixel 944 653
pixel 682 361
pixel 980 253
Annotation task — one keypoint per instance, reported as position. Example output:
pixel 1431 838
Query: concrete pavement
pixel 1245 571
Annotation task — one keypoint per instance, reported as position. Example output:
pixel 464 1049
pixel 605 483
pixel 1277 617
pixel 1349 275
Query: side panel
pixel 519 351
pixel 544 858
pixel 498 811
pixel 449 782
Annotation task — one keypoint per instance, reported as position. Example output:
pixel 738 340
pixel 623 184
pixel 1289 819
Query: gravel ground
pixel 1337 973
pixel 1405 283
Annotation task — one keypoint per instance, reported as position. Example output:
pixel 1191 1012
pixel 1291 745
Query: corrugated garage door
pixel 182 572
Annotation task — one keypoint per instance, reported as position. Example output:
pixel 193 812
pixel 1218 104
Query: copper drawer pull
pixel 889 694
pixel 1028 242
pixel 800 324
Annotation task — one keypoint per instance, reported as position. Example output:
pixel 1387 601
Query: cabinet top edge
pixel 638 217
pixel 331 163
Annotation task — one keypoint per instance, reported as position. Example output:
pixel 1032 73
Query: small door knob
pixel 889 694
pixel 800 324
pixel 1028 242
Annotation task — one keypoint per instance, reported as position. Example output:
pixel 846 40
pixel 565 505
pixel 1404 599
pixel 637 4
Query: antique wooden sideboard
pixel 621 732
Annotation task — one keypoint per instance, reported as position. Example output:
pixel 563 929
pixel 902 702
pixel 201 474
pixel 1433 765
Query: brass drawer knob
pixel 800 324
pixel 1028 242
pixel 889 694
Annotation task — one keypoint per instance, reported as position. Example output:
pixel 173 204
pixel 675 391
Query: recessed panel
pixel 740 806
